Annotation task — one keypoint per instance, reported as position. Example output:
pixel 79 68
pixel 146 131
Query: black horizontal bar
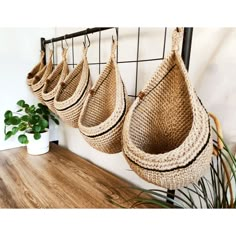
pixel 103 63
pixel 77 34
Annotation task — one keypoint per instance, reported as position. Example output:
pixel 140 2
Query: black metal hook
pixel 87 39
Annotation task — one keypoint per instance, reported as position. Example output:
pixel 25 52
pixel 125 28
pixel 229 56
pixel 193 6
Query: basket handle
pixel 64 53
pixel 85 50
pixel 42 55
pixel 113 48
pixel 177 36
pixel 50 55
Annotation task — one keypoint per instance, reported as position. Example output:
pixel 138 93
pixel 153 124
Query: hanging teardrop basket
pixel 53 81
pixel 40 78
pixel 72 92
pixel 40 66
pixel 104 110
pixel 167 136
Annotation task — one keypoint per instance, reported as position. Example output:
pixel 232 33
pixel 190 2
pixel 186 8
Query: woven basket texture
pixel 53 81
pixel 104 110
pixel 72 92
pixel 35 70
pixel 40 78
pixel 166 135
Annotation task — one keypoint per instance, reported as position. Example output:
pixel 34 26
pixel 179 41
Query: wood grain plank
pixel 58 179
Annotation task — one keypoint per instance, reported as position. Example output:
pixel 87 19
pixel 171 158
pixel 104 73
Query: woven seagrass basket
pixel 104 110
pixel 72 92
pixel 40 78
pixel 40 66
pixel 53 81
pixel 167 136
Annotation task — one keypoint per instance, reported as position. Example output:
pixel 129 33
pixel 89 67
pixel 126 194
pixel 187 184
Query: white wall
pixel 19 52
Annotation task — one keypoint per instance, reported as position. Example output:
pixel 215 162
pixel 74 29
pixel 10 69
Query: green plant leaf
pixel 23 139
pixel 21 103
pixel 15 120
pixel 40 105
pixel 14 130
pixel 26 105
pixel 32 109
pixel 45 110
pixel 25 118
pixel 39 111
pixel 37 128
pixel 55 119
pixel 8 114
pixel 22 126
pixel 43 123
pixel 7 121
pixel 8 135
pixel 35 119
pixel 37 136
pixel 46 117
pixel 19 110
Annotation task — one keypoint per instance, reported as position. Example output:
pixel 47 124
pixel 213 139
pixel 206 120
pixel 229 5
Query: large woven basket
pixel 53 81
pixel 167 136
pixel 72 92
pixel 40 78
pixel 40 66
pixel 104 110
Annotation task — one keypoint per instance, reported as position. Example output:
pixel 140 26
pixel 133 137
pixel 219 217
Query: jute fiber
pixel 166 135
pixel 53 81
pixel 104 110
pixel 40 78
pixel 37 68
pixel 72 92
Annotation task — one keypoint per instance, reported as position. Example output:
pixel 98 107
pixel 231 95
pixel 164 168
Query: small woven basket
pixel 40 78
pixel 53 81
pixel 72 92
pixel 167 136
pixel 104 110
pixel 35 70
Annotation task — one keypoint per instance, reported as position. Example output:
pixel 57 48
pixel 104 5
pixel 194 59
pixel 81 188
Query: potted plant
pixel 31 124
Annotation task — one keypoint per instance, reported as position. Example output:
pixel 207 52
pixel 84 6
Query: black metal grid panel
pixel 99 62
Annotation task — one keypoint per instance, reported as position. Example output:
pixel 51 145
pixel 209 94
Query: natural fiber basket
pixel 167 136
pixel 40 78
pixel 72 92
pixel 53 81
pixel 36 69
pixel 104 110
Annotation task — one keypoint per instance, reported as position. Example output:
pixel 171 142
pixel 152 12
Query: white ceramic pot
pixel 40 146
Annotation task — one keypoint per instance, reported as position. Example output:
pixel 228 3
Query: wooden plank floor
pixel 58 179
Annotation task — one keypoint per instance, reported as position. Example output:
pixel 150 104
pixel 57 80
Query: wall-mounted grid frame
pixel 186 52
pixel 186 47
